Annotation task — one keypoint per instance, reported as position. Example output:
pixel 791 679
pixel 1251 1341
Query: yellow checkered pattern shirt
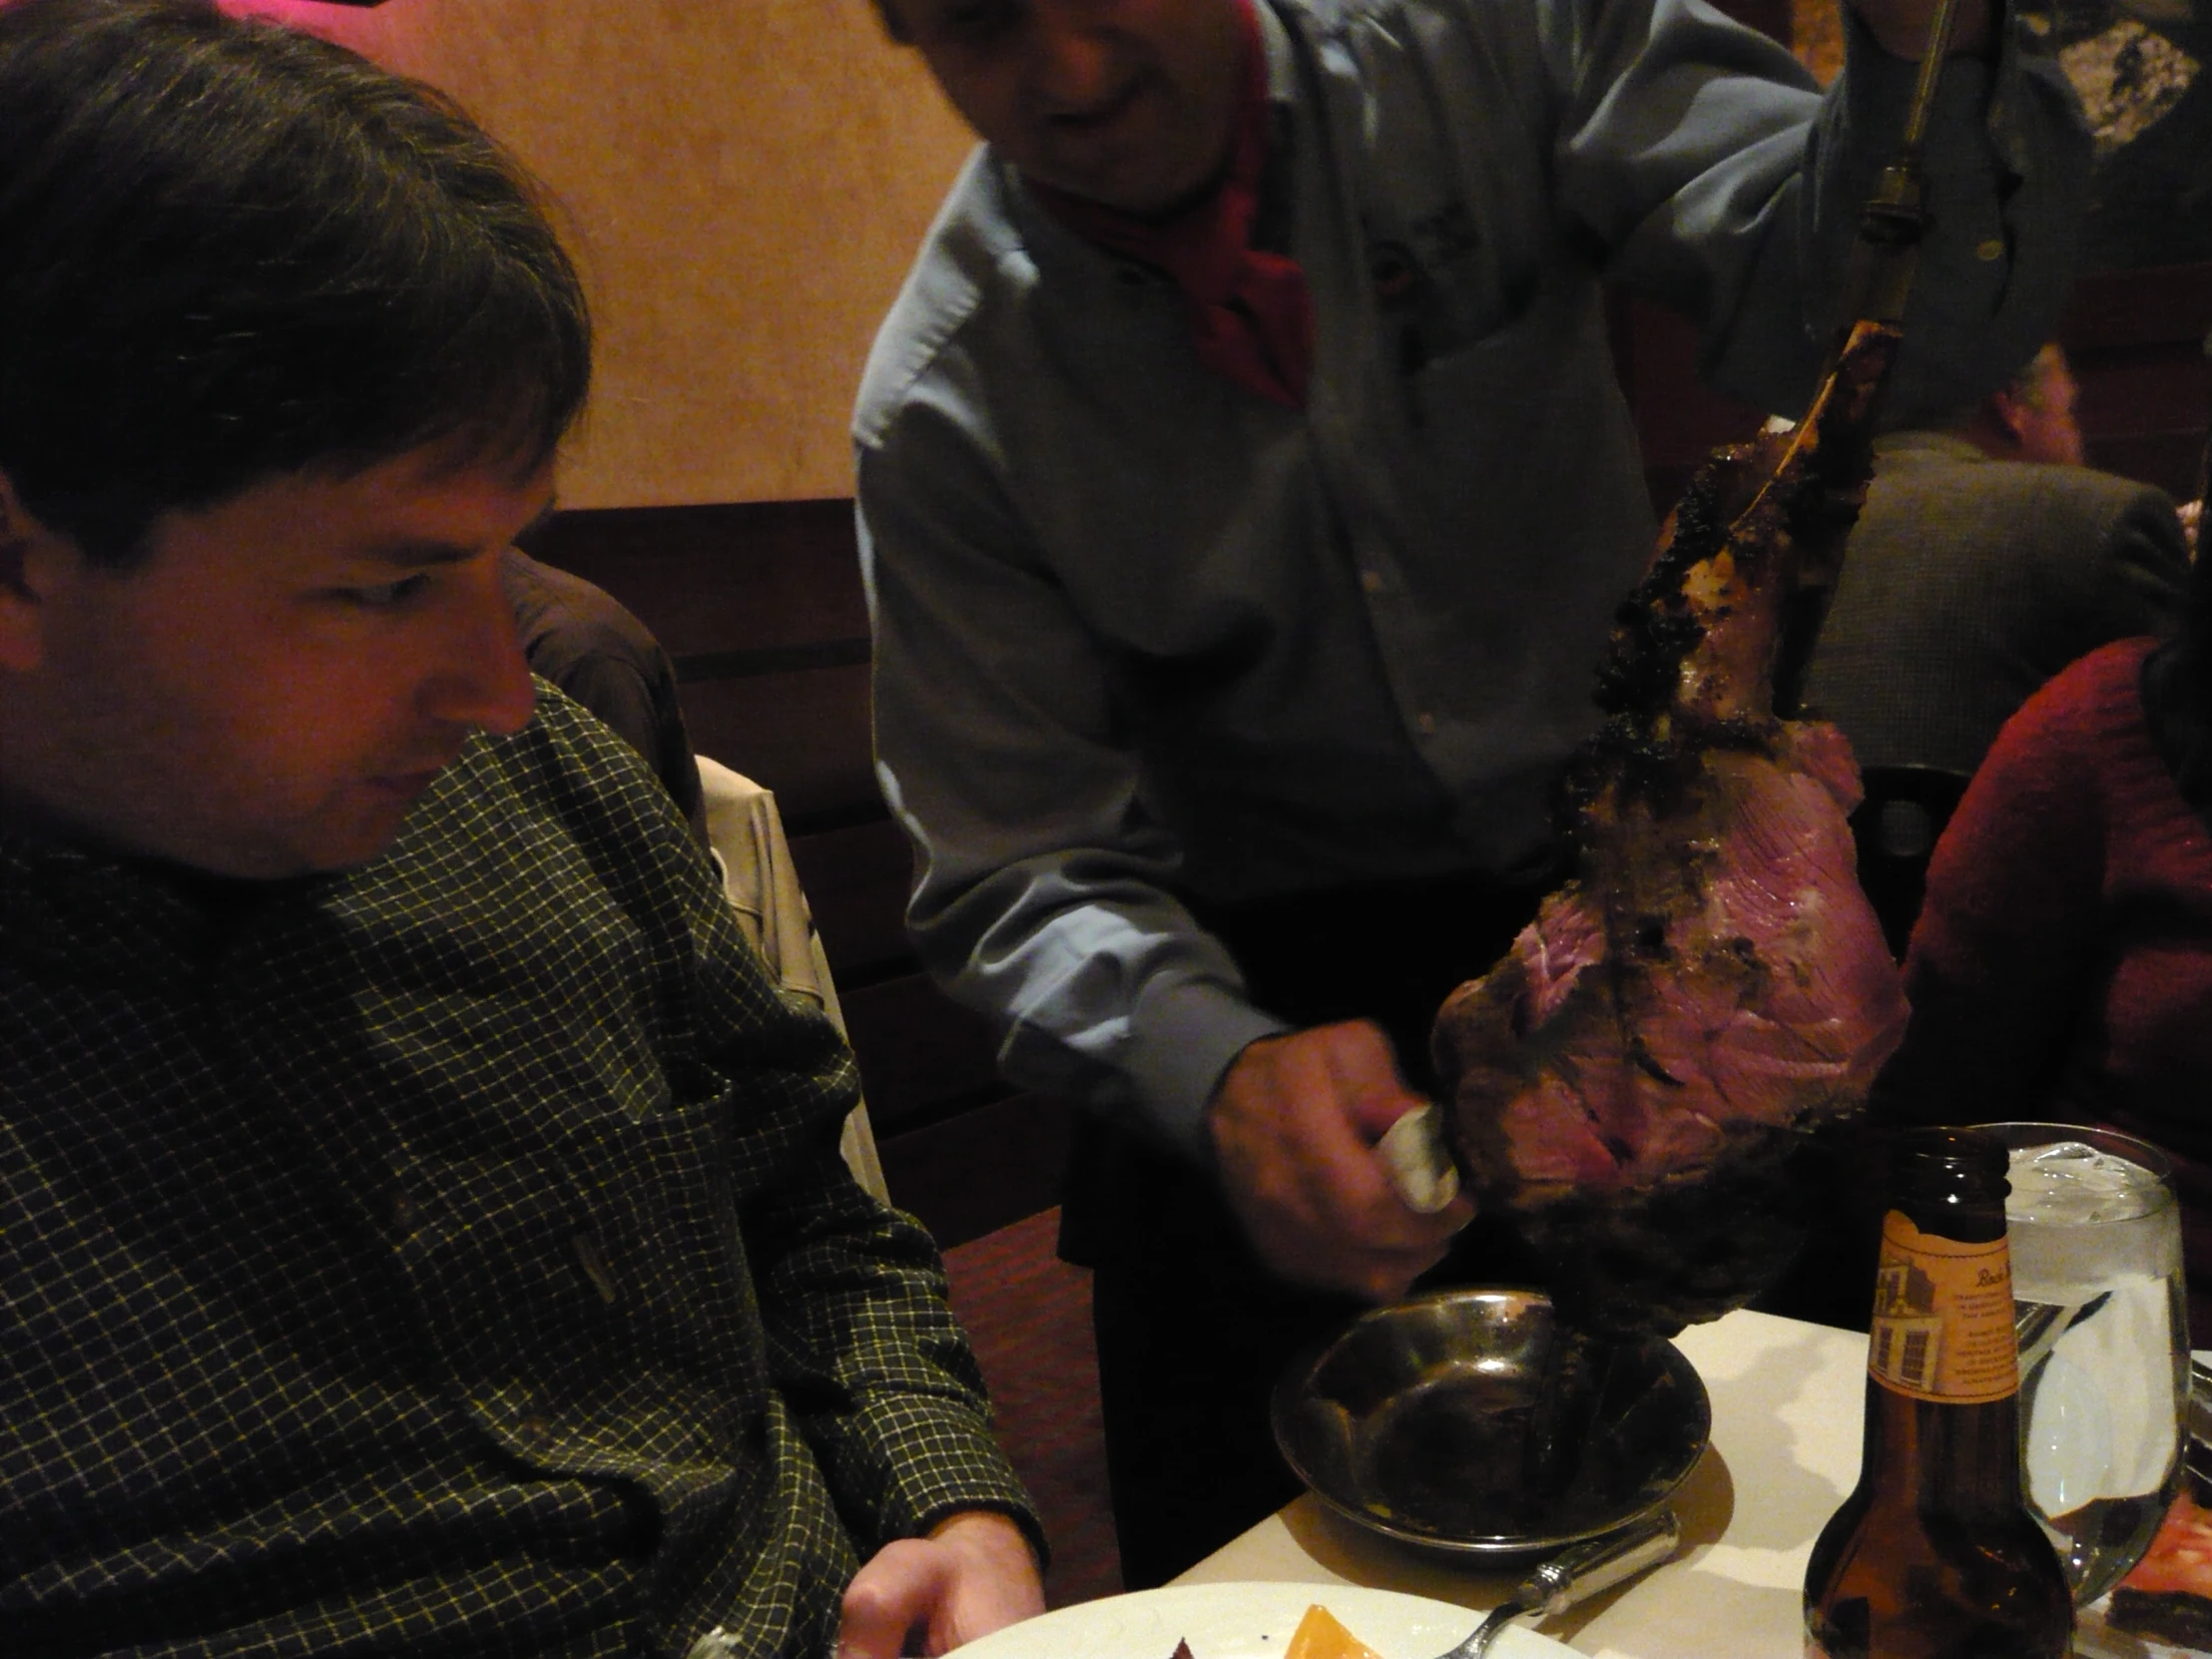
pixel 447 1257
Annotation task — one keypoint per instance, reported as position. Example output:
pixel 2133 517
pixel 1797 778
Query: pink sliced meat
pixel 1636 1079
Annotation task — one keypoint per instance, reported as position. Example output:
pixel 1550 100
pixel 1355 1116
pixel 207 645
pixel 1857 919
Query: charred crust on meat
pixel 1550 1060
pixel 1652 1260
pixel 1657 1073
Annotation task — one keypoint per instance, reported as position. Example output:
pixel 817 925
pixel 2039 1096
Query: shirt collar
pixel 108 917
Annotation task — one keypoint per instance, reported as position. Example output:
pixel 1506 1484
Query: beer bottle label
pixel 1943 1316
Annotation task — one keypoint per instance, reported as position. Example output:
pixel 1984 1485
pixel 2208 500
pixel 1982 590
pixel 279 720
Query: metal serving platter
pixel 1466 1422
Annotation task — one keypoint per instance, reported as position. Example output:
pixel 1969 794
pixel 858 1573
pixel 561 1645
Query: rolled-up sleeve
pixel 1041 874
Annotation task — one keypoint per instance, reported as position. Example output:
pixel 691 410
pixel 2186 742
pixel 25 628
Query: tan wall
pixel 747 182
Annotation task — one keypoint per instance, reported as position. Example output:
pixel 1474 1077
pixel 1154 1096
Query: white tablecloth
pixel 1788 1408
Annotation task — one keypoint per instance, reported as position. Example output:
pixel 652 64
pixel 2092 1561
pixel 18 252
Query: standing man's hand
pixel 1900 26
pixel 1295 1122
pixel 973 1575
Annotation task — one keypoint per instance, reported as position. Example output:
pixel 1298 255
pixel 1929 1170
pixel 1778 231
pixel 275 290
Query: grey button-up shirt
pixel 1140 633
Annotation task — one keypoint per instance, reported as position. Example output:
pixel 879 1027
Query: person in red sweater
pixel 2061 969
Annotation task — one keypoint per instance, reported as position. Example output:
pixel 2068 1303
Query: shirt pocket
pixel 489 1246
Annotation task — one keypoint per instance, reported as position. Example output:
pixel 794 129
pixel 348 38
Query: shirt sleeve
pixel 1713 177
pixel 861 1345
pixel 866 1353
pixel 2145 568
pixel 1041 893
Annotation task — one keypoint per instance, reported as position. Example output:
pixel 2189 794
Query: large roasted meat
pixel 1636 1081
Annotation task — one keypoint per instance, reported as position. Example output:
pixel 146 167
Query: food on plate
pixel 1634 1082
pixel 2168 1596
pixel 1318 1636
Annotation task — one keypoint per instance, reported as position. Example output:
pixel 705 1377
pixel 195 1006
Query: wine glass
pixel 2101 1312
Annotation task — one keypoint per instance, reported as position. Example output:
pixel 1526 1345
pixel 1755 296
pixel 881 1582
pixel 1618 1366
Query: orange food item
pixel 1320 1636
pixel 2179 1560
pixel 2169 1595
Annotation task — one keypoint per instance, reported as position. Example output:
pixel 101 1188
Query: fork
pixel 1577 1574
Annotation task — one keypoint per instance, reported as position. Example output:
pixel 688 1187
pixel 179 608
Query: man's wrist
pixel 994 1532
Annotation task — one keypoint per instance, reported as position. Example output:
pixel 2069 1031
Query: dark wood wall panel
pixel 920 1054
pixel 857 882
pixel 2135 340
pixel 975 1172
pixel 2156 306
pixel 721 579
pixel 804 735
pixel 2169 460
pixel 2140 389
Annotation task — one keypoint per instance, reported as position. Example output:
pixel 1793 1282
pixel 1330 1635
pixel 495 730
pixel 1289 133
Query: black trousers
pixel 1192 1331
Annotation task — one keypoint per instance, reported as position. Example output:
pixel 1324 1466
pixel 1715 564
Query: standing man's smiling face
pixel 268 689
pixel 1128 102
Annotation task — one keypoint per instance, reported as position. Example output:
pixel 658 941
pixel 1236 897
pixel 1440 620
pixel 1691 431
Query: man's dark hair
pixel 229 252
pixel 894 24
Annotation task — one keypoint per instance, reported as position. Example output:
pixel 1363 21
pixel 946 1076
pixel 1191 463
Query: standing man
pixel 1245 493
pixel 424 1230
pixel 1987 559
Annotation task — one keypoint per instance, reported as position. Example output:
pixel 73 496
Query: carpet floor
pixel 1030 1315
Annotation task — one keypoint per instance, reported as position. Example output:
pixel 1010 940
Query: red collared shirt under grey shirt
pixel 1140 633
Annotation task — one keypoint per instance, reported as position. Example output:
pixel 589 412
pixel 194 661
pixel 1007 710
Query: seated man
pixel 423 1224
pixel 1987 559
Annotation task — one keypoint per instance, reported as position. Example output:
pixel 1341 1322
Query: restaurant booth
pixel 738 259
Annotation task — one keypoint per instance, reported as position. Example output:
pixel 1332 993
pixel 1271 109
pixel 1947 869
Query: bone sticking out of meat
pixel 1634 1082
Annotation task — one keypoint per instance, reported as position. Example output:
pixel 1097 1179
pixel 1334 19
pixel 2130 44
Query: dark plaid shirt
pixel 449 1257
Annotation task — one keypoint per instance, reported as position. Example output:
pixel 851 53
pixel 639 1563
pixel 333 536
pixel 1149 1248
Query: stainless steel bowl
pixel 1468 1420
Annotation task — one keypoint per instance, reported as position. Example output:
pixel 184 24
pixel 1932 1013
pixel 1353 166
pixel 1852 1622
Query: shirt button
pixel 534 1429
pixel 1372 580
pixel 404 1214
pixel 1427 724
pixel 1993 249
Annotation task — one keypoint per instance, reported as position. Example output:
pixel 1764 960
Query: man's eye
pixel 385 594
pixel 977 20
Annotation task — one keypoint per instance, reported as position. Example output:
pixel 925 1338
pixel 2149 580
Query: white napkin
pixel 2104 1418
pixel 1419 1166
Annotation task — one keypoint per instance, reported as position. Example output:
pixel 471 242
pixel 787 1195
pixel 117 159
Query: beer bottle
pixel 1934 1556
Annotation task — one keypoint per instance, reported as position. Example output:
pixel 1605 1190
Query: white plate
pixel 1248 1621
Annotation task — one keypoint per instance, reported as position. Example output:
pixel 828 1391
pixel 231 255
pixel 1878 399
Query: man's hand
pixel 1900 26
pixel 972 1575
pixel 1295 1120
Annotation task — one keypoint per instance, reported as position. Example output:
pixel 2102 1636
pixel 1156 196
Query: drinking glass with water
pixel 2102 1318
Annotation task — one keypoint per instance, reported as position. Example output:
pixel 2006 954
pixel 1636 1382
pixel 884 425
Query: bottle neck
pixel 1941 1459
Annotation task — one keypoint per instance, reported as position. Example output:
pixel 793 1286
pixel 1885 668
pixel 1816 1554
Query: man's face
pixel 1128 102
pixel 270 689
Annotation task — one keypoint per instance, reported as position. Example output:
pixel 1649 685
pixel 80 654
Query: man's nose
pixel 483 680
pixel 1073 70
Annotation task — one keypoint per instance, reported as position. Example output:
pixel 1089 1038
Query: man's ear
pixel 27 554
pixel 2002 409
